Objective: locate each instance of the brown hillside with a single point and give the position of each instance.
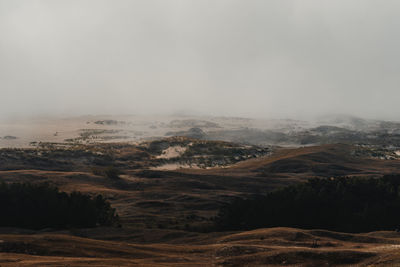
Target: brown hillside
(262, 247)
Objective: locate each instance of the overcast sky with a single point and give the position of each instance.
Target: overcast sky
(224, 57)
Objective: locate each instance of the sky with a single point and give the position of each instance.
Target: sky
(250, 58)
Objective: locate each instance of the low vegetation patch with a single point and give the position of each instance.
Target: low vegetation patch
(109, 172)
(338, 204)
(44, 206)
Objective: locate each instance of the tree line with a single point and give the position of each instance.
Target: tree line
(340, 204)
(38, 206)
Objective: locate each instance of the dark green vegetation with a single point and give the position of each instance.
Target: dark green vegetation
(191, 133)
(339, 204)
(203, 153)
(85, 157)
(74, 157)
(109, 172)
(43, 206)
(109, 122)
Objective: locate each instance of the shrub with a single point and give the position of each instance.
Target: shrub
(109, 172)
(112, 173)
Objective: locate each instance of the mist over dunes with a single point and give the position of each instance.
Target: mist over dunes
(231, 58)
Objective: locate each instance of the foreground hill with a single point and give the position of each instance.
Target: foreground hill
(262, 247)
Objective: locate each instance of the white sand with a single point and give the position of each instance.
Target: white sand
(172, 152)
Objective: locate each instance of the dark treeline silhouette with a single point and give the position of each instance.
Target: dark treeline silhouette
(339, 204)
(38, 206)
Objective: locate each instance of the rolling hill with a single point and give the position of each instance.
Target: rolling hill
(167, 215)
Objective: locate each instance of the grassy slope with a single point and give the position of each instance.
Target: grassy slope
(275, 247)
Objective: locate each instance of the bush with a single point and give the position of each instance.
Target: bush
(109, 172)
(43, 206)
(339, 204)
(112, 173)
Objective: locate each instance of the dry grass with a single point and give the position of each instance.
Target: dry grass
(262, 247)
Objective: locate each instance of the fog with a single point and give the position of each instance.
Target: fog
(219, 57)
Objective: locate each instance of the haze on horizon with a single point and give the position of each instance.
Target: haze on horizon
(226, 57)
